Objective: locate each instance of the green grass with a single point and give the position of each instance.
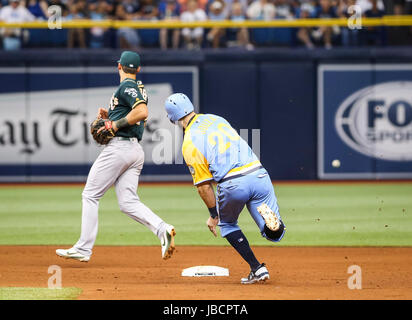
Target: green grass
(12, 293)
(314, 214)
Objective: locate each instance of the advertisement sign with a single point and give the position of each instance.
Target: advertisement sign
(46, 116)
(364, 121)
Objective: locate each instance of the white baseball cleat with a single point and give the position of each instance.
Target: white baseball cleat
(168, 242)
(271, 220)
(72, 254)
(260, 275)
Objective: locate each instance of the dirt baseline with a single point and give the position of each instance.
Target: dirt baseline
(140, 273)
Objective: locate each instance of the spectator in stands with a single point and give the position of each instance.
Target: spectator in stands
(400, 35)
(201, 4)
(374, 35)
(216, 13)
(130, 9)
(99, 10)
(127, 37)
(111, 8)
(242, 34)
(62, 5)
(374, 11)
(295, 6)
(261, 10)
(366, 5)
(408, 7)
(193, 37)
(148, 10)
(229, 4)
(169, 10)
(283, 9)
(305, 11)
(81, 8)
(38, 8)
(325, 10)
(14, 12)
(77, 10)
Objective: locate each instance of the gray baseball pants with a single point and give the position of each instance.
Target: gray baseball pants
(119, 164)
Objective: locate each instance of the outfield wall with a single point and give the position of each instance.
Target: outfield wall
(312, 107)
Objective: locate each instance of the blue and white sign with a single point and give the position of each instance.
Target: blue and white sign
(46, 114)
(365, 121)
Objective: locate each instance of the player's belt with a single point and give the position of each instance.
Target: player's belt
(242, 171)
(125, 139)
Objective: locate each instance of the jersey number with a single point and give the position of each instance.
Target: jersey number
(113, 102)
(142, 90)
(224, 130)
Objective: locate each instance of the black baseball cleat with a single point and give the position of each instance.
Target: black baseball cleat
(260, 275)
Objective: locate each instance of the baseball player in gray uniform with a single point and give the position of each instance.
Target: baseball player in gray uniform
(120, 164)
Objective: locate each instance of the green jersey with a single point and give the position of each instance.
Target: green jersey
(128, 96)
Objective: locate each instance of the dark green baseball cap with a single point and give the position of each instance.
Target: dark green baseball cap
(129, 59)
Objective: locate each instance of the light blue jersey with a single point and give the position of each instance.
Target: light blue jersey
(213, 150)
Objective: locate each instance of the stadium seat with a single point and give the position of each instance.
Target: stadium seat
(282, 36)
(149, 37)
(47, 38)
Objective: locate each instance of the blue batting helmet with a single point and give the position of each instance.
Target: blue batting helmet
(177, 106)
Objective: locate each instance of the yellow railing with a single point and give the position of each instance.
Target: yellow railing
(390, 21)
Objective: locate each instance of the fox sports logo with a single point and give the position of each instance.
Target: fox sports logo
(377, 121)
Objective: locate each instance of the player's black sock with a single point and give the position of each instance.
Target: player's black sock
(238, 241)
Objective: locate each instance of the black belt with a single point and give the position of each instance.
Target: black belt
(240, 174)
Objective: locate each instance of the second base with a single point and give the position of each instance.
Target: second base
(205, 271)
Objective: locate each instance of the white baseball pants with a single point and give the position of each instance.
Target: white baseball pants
(119, 164)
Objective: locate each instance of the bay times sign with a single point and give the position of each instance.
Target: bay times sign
(45, 126)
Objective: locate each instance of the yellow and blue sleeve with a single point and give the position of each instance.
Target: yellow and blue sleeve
(196, 161)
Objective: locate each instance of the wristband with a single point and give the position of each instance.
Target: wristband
(108, 125)
(121, 123)
(213, 212)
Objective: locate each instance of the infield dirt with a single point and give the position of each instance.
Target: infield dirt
(140, 273)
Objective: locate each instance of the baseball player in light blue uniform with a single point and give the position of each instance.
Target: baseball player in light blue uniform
(214, 151)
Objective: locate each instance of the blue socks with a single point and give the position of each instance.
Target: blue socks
(238, 241)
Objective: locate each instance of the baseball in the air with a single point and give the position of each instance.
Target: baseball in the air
(336, 163)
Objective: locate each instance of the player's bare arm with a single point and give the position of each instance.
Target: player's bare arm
(139, 113)
(207, 194)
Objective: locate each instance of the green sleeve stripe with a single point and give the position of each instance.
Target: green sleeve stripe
(137, 103)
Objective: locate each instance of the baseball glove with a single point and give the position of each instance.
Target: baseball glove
(102, 131)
